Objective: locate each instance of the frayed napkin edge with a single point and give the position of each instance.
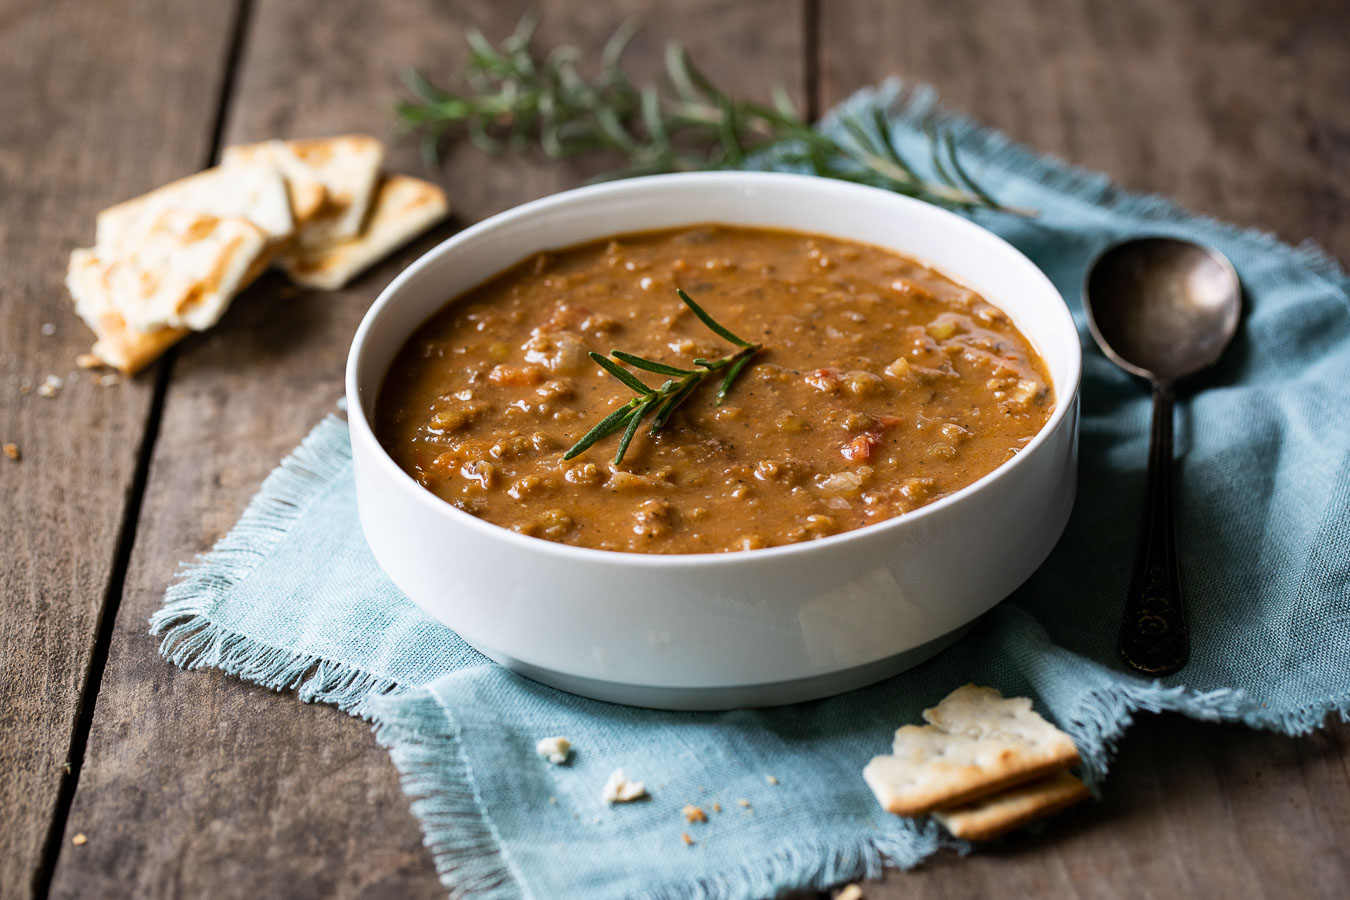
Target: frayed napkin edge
(189, 636)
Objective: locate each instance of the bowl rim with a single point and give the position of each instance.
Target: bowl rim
(360, 427)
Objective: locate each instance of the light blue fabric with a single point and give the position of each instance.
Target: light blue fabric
(292, 599)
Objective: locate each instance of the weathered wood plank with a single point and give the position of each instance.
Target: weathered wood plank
(1237, 110)
(97, 104)
(197, 785)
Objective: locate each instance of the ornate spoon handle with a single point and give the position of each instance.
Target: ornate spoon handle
(1154, 638)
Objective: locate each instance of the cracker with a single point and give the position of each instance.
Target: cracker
(304, 186)
(404, 207)
(978, 743)
(348, 168)
(997, 815)
(182, 272)
(255, 192)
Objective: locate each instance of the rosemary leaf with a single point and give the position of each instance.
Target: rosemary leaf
(634, 420)
(603, 429)
(650, 365)
(717, 328)
(620, 373)
(735, 370)
(668, 408)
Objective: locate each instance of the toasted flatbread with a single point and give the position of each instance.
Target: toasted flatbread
(404, 207)
(304, 187)
(997, 815)
(348, 168)
(182, 273)
(255, 192)
(115, 345)
(977, 744)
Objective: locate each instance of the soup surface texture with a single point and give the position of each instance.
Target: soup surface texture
(881, 386)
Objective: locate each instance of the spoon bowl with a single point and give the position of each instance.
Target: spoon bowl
(1161, 309)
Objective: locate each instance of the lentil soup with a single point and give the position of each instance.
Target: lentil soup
(880, 387)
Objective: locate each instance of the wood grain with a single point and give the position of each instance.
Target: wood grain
(97, 104)
(1238, 110)
(198, 785)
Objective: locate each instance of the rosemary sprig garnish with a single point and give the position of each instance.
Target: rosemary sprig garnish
(513, 98)
(668, 397)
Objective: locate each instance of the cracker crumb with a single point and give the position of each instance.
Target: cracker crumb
(770, 779)
(554, 749)
(48, 329)
(688, 841)
(88, 361)
(694, 813)
(79, 840)
(717, 807)
(849, 892)
(51, 386)
(744, 802)
(618, 789)
(12, 451)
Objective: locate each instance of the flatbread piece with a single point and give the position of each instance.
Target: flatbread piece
(977, 744)
(255, 192)
(346, 167)
(403, 208)
(304, 187)
(994, 816)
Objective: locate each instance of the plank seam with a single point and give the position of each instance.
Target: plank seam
(811, 62)
(126, 536)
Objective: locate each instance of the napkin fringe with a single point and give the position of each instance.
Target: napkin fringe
(1102, 716)
(916, 105)
(422, 737)
(193, 640)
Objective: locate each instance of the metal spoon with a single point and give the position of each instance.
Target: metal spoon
(1161, 309)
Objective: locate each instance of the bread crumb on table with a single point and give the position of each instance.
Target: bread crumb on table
(688, 841)
(51, 386)
(717, 807)
(849, 892)
(770, 779)
(12, 451)
(744, 802)
(79, 839)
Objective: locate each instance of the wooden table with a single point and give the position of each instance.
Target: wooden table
(194, 784)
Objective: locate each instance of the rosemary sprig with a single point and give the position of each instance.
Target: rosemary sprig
(512, 98)
(668, 397)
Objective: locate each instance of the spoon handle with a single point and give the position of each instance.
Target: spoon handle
(1154, 638)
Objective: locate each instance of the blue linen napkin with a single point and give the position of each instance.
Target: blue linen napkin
(291, 598)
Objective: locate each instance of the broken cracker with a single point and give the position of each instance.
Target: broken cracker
(978, 744)
(348, 167)
(404, 207)
(304, 187)
(255, 192)
(182, 272)
(991, 817)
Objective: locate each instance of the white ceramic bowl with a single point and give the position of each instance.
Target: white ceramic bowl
(713, 631)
